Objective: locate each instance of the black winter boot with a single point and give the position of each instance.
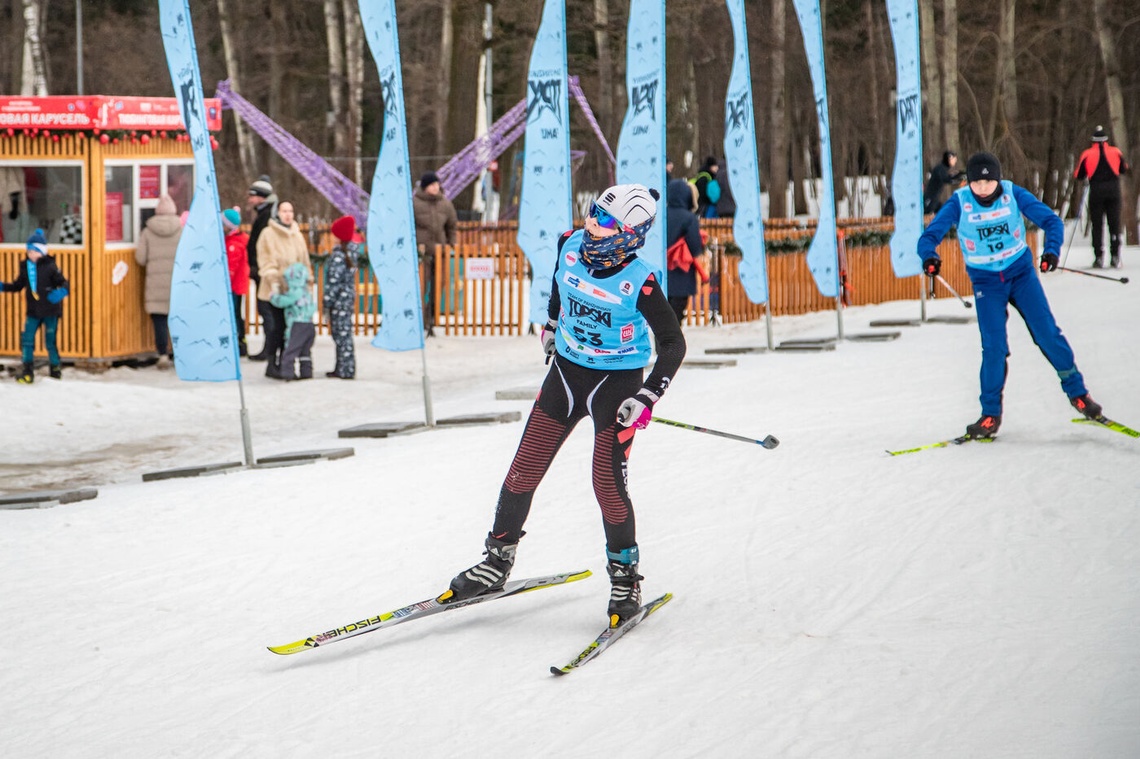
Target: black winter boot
(488, 575)
(55, 372)
(985, 427)
(625, 588)
(1087, 406)
(26, 375)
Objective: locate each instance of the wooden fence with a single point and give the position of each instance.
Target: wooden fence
(483, 280)
(478, 287)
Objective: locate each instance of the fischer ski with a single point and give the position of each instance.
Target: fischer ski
(423, 609)
(611, 635)
(1107, 423)
(944, 444)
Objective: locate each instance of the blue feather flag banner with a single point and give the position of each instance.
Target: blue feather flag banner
(391, 229)
(823, 255)
(545, 205)
(743, 166)
(641, 146)
(203, 330)
(906, 181)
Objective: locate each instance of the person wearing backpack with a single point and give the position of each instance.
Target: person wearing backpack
(708, 188)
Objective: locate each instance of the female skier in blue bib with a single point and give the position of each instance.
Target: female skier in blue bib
(991, 235)
(603, 302)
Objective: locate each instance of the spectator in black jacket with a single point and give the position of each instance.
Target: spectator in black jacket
(263, 201)
(681, 224)
(44, 288)
(941, 176)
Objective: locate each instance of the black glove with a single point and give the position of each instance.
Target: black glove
(15, 212)
(1048, 262)
(931, 267)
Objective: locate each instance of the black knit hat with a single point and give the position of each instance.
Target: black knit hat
(261, 188)
(983, 166)
(1100, 135)
(428, 179)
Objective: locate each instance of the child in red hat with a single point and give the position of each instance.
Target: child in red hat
(340, 294)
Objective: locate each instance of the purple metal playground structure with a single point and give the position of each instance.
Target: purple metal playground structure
(461, 170)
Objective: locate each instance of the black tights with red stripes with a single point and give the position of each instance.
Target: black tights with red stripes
(570, 393)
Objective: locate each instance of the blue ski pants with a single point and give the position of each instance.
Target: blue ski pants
(1019, 286)
(28, 338)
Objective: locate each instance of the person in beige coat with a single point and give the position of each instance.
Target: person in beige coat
(158, 242)
(280, 245)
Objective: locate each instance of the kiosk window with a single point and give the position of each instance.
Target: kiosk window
(48, 197)
(119, 219)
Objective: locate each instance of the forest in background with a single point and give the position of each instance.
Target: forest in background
(1028, 81)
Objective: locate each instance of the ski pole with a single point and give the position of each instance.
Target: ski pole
(953, 292)
(1076, 224)
(768, 442)
(1121, 280)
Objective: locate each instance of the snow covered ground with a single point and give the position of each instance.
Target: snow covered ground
(831, 601)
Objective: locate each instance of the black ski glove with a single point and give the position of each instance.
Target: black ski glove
(15, 212)
(931, 267)
(1048, 262)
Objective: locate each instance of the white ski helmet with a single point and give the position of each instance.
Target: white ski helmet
(631, 204)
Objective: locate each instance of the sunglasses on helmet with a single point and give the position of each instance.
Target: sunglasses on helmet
(604, 219)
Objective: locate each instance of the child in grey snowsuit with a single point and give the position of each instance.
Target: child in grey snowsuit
(299, 306)
(340, 295)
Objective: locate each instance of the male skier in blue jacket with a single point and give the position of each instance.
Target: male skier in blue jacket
(991, 235)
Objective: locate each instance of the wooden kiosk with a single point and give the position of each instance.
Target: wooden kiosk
(89, 171)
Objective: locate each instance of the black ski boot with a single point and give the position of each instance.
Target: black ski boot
(488, 575)
(985, 427)
(625, 587)
(1087, 406)
(26, 376)
(55, 372)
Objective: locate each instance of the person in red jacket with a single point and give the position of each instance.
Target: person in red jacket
(1102, 164)
(236, 255)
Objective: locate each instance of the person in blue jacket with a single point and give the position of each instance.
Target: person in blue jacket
(604, 300)
(991, 235)
(44, 288)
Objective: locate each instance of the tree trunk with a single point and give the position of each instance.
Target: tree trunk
(604, 104)
(876, 148)
(948, 63)
(1007, 64)
(443, 93)
(336, 112)
(354, 67)
(276, 68)
(247, 155)
(467, 25)
(778, 116)
(34, 79)
(931, 82)
(1112, 86)
(801, 163)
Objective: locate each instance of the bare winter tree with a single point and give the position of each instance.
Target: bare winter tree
(337, 121)
(931, 81)
(247, 154)
(354, 67)
(34, 81)
(948, 71)
(1112, 75)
